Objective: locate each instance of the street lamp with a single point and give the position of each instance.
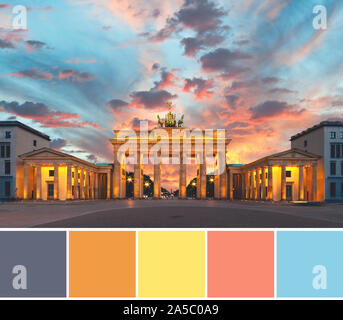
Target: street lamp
(129, 179)
(194, 184)
(147, 184)
(211, 179)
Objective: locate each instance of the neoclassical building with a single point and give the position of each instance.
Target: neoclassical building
(290, 175)
(52, 175)
(47, 174)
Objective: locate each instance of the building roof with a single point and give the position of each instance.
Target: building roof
(25, 127)
(291, 154)
(55, 154)
(235, 165)
(318, 126)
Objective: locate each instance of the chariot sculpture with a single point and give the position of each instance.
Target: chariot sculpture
(170, 119)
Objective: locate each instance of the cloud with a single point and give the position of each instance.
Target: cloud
(233, 101)
(80, 60)
(58, 144)
(117, 106)
(168, 79)
(92, 158)
(44, 115)
(33, 45)
(281, 91)
(76, 76)
(155, 66)
(270, 80)
(200, 87)
(32, 73)
(273, 109)
(222, 60)
(201, 16)
(152, 99)
(6, 44)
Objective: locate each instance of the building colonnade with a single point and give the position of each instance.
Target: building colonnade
(65, 180)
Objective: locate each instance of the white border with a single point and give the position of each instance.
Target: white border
(206, 298)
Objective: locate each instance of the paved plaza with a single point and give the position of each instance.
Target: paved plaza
(168, 214)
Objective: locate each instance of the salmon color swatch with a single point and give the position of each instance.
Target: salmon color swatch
(240, 264)
(171, 264)
(102, 264)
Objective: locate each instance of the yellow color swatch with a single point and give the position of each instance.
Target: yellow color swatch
(171, 264)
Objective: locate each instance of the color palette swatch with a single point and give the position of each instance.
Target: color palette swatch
(240, 264)
(171, 264)
(102, 264)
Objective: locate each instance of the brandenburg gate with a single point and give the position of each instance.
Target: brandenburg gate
(170, 143)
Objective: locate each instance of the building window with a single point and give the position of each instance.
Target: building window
(8, 134)
(342, 168)
(5, 150)
(7, 188)
(342, 190)
(333, 151)
(341, 135)
(35, 143)
(338, 151)
(305, 143)
(51, 173)
(333, 190)
(7, 167)
(289, 174)
(8, 151)
(332, 135)
(333, 168)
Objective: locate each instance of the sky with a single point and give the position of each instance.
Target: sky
(257, 68)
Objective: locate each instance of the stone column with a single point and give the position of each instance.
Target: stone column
(108, 194)
(182, 179)
(56, 183)
(257, 177)
(118, 183)
(223, 185)
(263, 196)
(157, 181)
(198, 182)
(76, 183)
(87, 184)
(92, 185)
(96, 186)
(243, 185)
(231, 184)
(314, 182)
(270, 182)
(138, 178)
(246, 176)
(39, 182)
(123, 181)
(203, 180)
(252, 188)
(216, 186)
(301, 183)
(82, 184)
(69, 188)
(283, 182)
(26, 181)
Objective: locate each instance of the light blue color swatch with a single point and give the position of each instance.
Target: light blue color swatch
(298, 252)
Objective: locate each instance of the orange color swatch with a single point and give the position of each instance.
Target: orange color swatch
(102, 264)
(240, 264)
